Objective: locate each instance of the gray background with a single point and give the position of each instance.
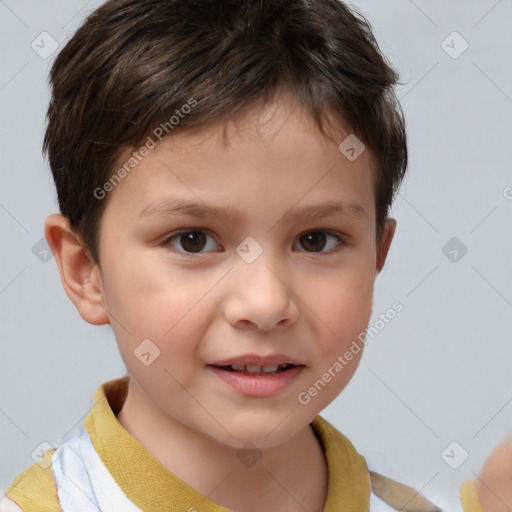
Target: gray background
(438, 373)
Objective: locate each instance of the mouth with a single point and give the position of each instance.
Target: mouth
(258, 381)
(257, 370)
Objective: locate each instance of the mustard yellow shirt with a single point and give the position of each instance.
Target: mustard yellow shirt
(148, 484)
(469, 497)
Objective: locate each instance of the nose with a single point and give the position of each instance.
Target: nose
(260, 297)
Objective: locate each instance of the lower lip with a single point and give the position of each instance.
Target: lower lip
(258, 385)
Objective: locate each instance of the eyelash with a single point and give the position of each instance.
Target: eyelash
(342, 243)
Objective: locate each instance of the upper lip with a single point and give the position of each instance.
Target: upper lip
(257, 360)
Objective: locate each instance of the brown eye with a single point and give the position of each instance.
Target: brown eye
(190, 241)
(315, 241)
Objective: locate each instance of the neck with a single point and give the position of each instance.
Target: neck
(291, 477)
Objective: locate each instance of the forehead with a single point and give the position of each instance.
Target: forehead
(270, 156)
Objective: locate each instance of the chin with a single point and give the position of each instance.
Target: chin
(263, 431)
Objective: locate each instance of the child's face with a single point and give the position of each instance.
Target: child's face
(201, 299)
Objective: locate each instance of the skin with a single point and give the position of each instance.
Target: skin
(494, 485)
(299, 298)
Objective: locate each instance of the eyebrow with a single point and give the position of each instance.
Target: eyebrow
(176, 207)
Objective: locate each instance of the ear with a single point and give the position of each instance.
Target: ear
(80, 277)
(387, 237)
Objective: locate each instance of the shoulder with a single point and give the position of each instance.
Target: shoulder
(399, 496)
(7, 505)
(386, 494)
(34, 490)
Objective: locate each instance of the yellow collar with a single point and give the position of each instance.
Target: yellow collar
(147, 483)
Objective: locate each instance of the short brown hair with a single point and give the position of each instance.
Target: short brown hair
(134, 63)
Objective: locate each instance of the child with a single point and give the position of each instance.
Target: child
(269, 131)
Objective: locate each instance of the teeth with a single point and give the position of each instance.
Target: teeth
(257, 369)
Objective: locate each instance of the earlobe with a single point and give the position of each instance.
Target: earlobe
(387, 238)
(80, 277)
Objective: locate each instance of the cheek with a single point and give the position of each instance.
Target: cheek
(344, 302)
(151, 299)
(344, 307)
(172, 309)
